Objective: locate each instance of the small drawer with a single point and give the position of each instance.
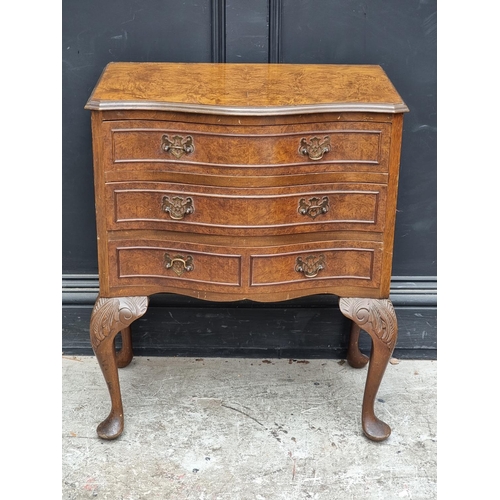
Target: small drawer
(272, 211)
(176, 264)
(339, 263)
(205, 149)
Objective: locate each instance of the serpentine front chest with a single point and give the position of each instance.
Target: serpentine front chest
(245, 181)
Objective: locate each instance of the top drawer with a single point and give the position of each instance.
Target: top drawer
(163, 145)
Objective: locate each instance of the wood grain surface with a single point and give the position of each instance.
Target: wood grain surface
(245, 88)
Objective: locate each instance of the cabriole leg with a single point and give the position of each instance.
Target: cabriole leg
(110, 316)
(378, 319)
(355, 357)
(125, 354)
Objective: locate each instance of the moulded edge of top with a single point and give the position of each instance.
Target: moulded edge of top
(101, 105)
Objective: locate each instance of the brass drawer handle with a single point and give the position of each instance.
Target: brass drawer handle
(314, 148)
(178, 146)
(178, 263)
(177, 207)
(310, 265)
(314, 207)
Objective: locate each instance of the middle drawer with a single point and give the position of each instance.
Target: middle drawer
(266, 211)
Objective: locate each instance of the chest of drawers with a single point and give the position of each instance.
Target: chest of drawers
(245, 181)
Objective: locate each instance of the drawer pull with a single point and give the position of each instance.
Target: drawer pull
(178, 146)
(314, 148)
(178, 263)
(314, 207)
(310, 265)
(177, 207)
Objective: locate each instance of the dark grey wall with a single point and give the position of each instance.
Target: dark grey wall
(398, 35)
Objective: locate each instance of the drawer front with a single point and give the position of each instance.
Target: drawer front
(335, 264)
(165, 146)
(210, 210)
(170, 264)
(180, 265)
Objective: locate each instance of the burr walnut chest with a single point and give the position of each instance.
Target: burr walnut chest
(245, 181)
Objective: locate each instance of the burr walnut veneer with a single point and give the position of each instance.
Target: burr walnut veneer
(245, 181)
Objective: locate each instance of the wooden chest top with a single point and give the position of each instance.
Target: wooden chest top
(245, 89)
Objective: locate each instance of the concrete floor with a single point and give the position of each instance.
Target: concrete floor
(248, 429)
